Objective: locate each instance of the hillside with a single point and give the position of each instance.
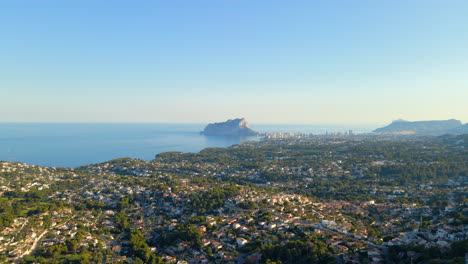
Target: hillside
(459, 130)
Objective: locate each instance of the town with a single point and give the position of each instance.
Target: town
(297, 199)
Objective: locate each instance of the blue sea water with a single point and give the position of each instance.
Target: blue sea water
(77, 144)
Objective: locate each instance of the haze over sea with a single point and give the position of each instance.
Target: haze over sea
(77, 144)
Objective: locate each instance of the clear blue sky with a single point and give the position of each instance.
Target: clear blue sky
(209, 60)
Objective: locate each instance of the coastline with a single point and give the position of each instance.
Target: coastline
(77, 144)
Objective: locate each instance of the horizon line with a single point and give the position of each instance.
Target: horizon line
(175, 123)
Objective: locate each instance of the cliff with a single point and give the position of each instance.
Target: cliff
(232, 127)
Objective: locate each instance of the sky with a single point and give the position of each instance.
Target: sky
(200, 61)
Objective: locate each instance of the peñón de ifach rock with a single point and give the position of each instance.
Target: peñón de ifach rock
(232, 127)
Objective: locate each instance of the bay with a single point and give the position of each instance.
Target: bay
(77, 144)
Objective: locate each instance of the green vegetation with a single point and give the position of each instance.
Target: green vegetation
(299, 200)
(214, 198)
(297, 251)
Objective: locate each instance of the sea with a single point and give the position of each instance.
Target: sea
(78, 144)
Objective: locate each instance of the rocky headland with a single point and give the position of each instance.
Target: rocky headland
(232, 127)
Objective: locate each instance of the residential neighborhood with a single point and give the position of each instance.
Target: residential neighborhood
(244, 204)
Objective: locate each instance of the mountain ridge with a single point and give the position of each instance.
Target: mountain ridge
(435, 127)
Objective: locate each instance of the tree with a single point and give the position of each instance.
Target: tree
(140, 248)
(72, 244)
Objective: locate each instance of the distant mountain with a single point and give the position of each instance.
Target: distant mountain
(231, 127)
(421, 127)
(459, 130)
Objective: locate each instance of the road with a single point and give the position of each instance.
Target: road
(36, 243)
(20, 230)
